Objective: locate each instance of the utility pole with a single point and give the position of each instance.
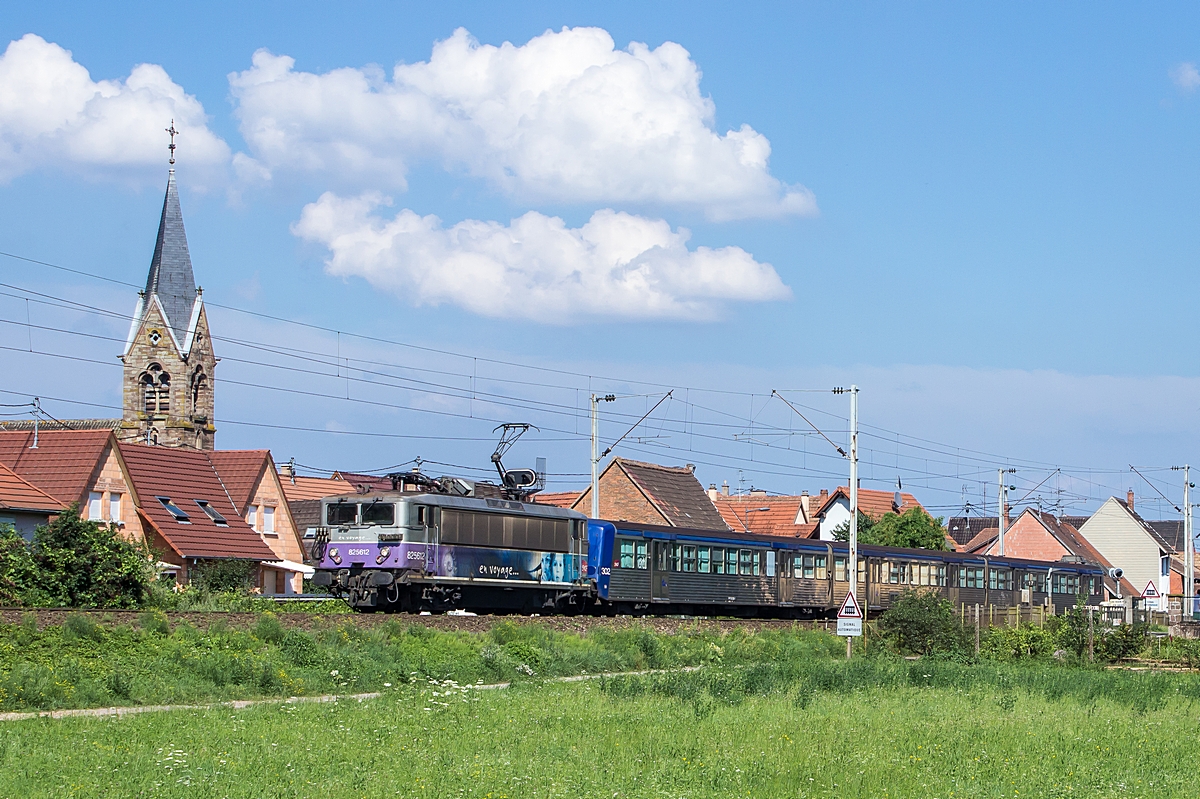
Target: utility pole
(853, 565)
(1002, 498)
(595, 461)
(1189, 549)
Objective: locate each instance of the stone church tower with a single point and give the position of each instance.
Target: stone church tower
(169, 360)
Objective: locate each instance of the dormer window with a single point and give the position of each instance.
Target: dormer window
(211, 512)
(173, 509)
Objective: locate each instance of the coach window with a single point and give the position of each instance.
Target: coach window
(676, 557)
(731, 561)
(625, 547)
(839, 570)
(689, 559)
(705, 560)
(640, 557)
(756, 560)
(743, 561)
(941, 576)
(1000, 579)
(718, 560)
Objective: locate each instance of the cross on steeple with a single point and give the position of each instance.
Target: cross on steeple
(171, 146)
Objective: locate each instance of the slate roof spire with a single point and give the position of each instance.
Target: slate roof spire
(171, 275)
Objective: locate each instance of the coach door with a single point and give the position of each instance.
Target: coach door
(429, 518)
(660, 571)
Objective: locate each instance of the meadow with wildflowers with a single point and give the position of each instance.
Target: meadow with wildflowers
(711, 733)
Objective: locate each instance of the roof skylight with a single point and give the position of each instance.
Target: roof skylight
(175, 510)
(217, 518)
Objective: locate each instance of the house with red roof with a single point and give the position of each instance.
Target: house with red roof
(253, 483)
(188, 514)
(75, 466)
(649, 493)
(833, 510)
(758, 513)
(24, 506)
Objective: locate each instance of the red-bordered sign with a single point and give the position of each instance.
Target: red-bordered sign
(1150, 592)
(850, 609)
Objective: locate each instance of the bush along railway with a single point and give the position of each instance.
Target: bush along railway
(451, 544)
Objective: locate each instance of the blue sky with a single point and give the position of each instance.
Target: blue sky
(1001, 250)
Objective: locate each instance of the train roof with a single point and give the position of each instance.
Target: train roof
(449, 500)
(812, 544)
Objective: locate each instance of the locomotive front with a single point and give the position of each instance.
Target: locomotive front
(396, 550)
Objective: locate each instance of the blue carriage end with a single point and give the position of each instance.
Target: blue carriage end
(600, 554)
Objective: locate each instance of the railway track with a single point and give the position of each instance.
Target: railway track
(49, 617)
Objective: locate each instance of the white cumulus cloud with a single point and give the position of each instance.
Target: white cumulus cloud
(52, 112)
(565, 117)
(1186, 76)
(536, 268)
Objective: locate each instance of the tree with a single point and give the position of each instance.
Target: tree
(83, 564)
(16, 567)
(914, 529)
(922, 623)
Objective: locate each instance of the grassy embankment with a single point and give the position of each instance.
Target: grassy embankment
(826, 729)
(769, 714)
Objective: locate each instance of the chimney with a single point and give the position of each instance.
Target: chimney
(691, 467)
(804, 505)
(724, 488)
(824, 496)
(712, 491)
(757, 492)
(1129, 498)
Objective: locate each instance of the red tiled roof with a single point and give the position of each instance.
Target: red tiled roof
(299, 488)
(63, 463)
(561, 499)
(372, 481)
(872, 502)
(745, 514)
(186, 475)
(17, 494)
(239, 470)
(675, 492)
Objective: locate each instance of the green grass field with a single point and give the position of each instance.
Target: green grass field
(594, 740)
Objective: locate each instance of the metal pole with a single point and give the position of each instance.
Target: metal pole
(1189, 549)
(853, 503)
(595, 461)
(1003, 496)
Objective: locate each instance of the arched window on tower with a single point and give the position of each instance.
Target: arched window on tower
(156, 389)
(199, 386)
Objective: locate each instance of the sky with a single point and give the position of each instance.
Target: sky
(413, 222)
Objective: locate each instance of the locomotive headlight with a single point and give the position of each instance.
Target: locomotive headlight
(334, 555)
(383, 554)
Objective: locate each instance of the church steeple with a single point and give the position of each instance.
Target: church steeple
(171, 277)
(169, 359)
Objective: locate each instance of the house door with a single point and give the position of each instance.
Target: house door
(660, 570)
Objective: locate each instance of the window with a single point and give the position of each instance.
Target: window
(198, 387)
(641, 558)
(689, 559)
(1062, 583)
(970, 577)
(770, 563)
(897, 573)
(211, 512)
(269, 519)
(174, 510)
(731, 561)
(744, 562)
(252, 517)
(624, 553)
(940, 576)
(381, 513)
(718, 560)
(94, 500)
(347, 513)
(705, 560)
(999, 579)
(156, 389)
(114, 506)
(1166, 565)
(821, 567)
(756, 560)
(839, 570)
(676, 557)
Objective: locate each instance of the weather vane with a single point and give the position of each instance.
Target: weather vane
(171, 146)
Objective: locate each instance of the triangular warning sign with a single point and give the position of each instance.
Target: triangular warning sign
(850, 609)
(1150, 590)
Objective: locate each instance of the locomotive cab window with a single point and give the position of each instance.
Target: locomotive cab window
(380, 513)
(341, 513)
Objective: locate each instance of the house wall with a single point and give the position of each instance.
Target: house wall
(23, 523)
(109, 478)
(284, 542)
(1125, 545)
(836, 514)
(1027, 538)
(620, 500)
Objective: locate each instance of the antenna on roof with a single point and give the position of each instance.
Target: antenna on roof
(37, 413)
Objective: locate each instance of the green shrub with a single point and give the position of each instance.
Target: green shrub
(155, 622)
(81, 628)
(1018, 643)
(923, 623)
(217, 576)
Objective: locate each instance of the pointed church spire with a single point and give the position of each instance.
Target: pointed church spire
(171, 277)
